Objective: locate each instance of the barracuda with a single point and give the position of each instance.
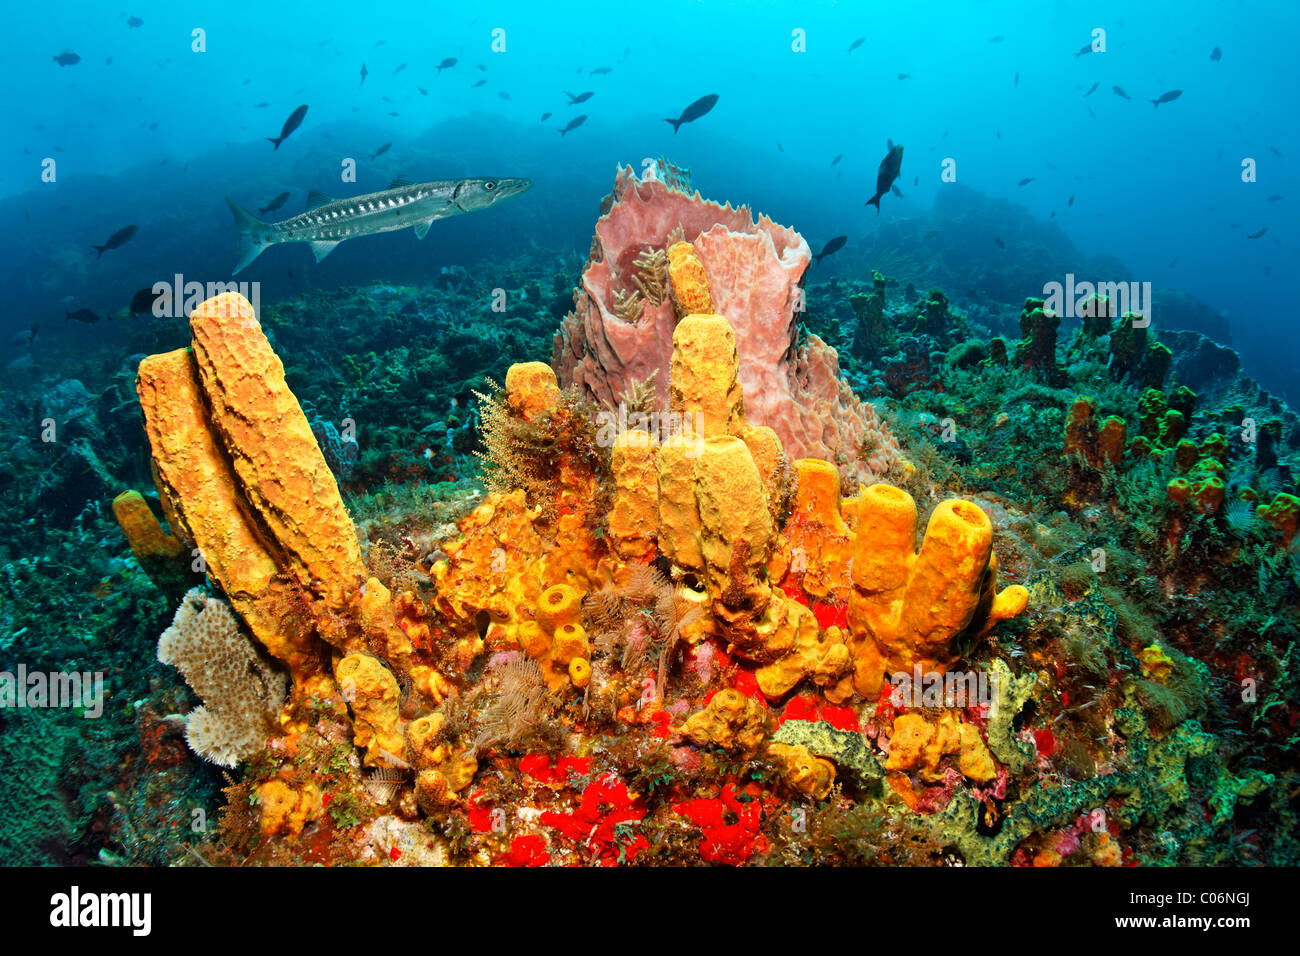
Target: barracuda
(327, 222)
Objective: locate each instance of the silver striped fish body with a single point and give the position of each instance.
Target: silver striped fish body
(327, 222)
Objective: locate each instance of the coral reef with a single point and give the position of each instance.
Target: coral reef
(713, 642)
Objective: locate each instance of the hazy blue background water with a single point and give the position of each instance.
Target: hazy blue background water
(1159, 189)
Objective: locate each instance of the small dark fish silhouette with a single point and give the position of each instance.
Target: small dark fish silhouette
(1092, 89)
(1216, 55)
(482, 68)
(1275, 198)
(260, 106)
(694, 111)
(1000, 243)
(903, 76)
(1017, 80)
(1257, 233)
(916, 180)
(1119, 91)
(135, 22)
(81, 315)
(146, 300)
(1026, 181)
(545, 117)
(274, 204)
(119, 238)
(364, 74)
(291, 124)
(1052, 214)
(835, 245)
(856, 43)
(601, 71)
(1275, 151)
(1071, 202)
(1167, 97)
(1087, 48)
(896, 191)
(67, 58)
(394, 113)
(837, 159)
(447, 63)
(999, 134)
(381, 150)
(423, 91)
(503, 94)
(478, 84)
(580, 98)
(780, 147)
(574, 123)
(997, 39)
(889, 169)
(400, 68)
(1173, 262)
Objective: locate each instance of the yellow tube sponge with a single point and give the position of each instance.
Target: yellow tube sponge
(371, 690)
(679, 518)
(687, 281)
(821, 547)
(907, 608)
(635, 515)
(277, 461)
(736, 533)
(705, 375)
(162, 556)
(559, 605)
(192, 472)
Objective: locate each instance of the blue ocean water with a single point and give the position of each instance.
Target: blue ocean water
(158, 122)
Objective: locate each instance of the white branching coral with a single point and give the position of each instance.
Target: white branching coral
(241, 691)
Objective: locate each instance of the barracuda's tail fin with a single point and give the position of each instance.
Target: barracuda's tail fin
(250, 242)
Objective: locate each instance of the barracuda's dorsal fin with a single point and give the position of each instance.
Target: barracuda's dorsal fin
(316, 199)
(400, 184)
(323, 249)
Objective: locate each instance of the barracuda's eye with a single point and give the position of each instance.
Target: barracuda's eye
(489, 185)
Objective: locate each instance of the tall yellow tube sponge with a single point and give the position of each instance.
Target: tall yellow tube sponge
(705, 386)
(239, 470)
(736, 532)
(819, 546)
(907, 608)
(193, 473)
(688, 282)
(635, 516)
(277, 461)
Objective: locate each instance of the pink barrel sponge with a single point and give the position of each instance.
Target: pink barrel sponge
(754, 268)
